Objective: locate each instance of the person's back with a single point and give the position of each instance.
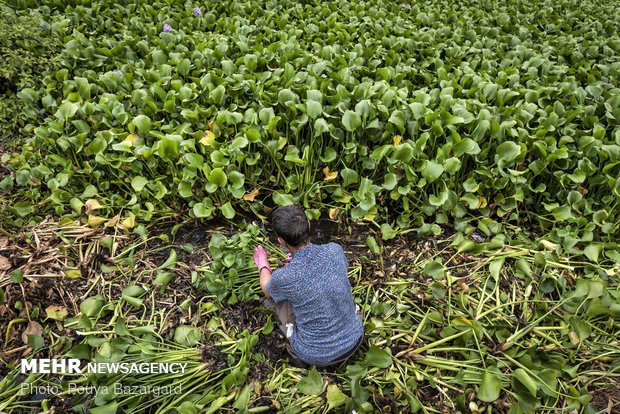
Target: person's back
(316, 285)
(313, 299)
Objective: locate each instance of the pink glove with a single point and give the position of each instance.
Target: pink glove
(260, 258)
(288, 259)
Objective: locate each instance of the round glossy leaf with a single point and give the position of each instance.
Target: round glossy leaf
(202, 210)
(403, 153)
(314, 109)
(351, 121)
(508, 151)
(218, 177)
(228, 211)
(138, 183)
(490, 387)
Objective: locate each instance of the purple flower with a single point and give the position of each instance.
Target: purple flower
(119, 72)
(407, 5)
(197, 12)
(167, 28)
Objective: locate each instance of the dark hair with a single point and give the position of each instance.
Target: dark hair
(290, 223)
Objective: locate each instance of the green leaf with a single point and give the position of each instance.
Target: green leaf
(439, 200)
(335, 397)
(593, 251)
(73, 273)
(228, 211)
(378, 357)
(56, 312)
(187, 408)
(314, 109)
(35, 341)
(562, 213)
(387, 232)
(312, 384)
(452, 165)
(403, 153)
(17, 276)
(418, 110)
(351, 120)
(202, 210)
(159, 57)
(349, 176)
(434, 269)
(481, 130)
(109, 408)
(521, 381)
(133, 291)
(390, 181)
(217, 95)
(495, 267)
(138, 183)
(92, 305)
(372, 244)
(582, 328)
(23, 208)
(195, 160)
(183, 67)
(187, 335)
(508, 151)
(432, 171)
(218, 177)
(143, 123)
(171, 261)
(168, 149)
(491, 385)
(243, 399)
(67, 110)
(286, 97)
(251, 61)
(466, 146)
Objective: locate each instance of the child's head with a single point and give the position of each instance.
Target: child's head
(291, 225)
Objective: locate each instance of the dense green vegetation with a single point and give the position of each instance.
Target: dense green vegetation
(488, 130)
(26, 51)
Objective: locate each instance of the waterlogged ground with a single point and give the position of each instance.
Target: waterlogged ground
(433, 318)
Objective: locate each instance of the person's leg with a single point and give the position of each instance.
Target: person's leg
(286, 321)
(286, 318)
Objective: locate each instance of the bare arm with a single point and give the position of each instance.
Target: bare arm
(265, 277)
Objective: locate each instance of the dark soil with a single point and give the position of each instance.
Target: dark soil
(243, 315)
(40, 293)
(63, 404)
(215, 359)
(608, 398)
(429, 396)
(325, 231)
(386, 404)
(273, 346)
(7, 86)
(195, 232)
(252, 316)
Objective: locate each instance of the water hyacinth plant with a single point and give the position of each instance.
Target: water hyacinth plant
(422, 135)
(466, 155)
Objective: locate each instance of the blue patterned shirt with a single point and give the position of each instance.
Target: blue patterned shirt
(317, 286)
